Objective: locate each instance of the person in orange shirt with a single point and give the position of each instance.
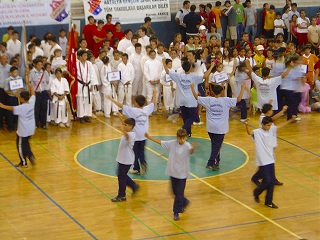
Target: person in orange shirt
(309, 59)
(217, 12)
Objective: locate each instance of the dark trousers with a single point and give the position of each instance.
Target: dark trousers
(12, 120)
(183, 32)
(178, 186)
(287, 97)
(243, 108)
(189, 115)
(216, 143)
(2, 111)
(24, 149)
(259, 175)
(40, 108)
(138, 149)
(123, 179)
(268, 180)
(239, 29)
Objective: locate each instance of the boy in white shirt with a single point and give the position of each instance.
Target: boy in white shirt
(178, 167)
(169, 87)
(14, 45)
(140, 113)
(278, 24)
(125, 85)
(59, 89)
(135, 60)
(26, 125)
(109, 88)
(152, 72)
(265, 142)
(125, 158)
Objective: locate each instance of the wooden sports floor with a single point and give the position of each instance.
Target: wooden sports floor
(60, 199)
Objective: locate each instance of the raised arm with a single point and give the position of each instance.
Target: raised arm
(279, 114)
(207, 74)
(195, 94)
(120, 105)
(283, 75)
(152, 138)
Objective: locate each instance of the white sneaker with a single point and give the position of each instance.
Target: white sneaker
(298, 119)
(198, 123)
(114, 114)
(67, 124)
(62, 125)
(93, 115)
(107, 115)
(133, 171)
(242, 120)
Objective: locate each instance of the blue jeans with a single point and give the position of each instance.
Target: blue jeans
(216, 143)
(268, 179)
(252, 31)
(124, 180)
(189, 115)
(239, 31)
(243, 108)
(178, 186)
(138, 149)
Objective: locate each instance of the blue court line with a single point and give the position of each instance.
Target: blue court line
(231, 226)
(50, 199)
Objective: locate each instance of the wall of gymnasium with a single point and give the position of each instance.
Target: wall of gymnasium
(164, 30)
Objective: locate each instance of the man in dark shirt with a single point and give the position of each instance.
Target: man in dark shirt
(193, 21)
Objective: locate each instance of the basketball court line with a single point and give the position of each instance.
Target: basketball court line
(50, 198)
(231, 226)
(221, 192)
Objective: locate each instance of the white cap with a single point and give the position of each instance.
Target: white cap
(260, 48)
(202, 27)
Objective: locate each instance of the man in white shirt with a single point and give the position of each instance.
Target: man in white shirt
(135, 59)
(143, 60)
(131, 50)
(152, 73)
(179, 19)
(144, 39)
(86, 77)
(125, 85)
(14, 45)
(54, 45)
(126, 41)
(38, 50)
(160, 52)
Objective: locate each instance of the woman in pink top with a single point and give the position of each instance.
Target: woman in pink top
(304, 106)
(293, 29)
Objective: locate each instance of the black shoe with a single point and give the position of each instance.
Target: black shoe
(81, 120)
(176, 216)
(87, 119)
(135, 189)
(32, 160)
(184, 208)
(44, 127)
(278, 183)
(271, 205)
(256, 182)
(256, 198)
(118, 199)
(189, 135)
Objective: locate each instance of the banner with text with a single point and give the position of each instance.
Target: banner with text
(128, 11)
(34, 12)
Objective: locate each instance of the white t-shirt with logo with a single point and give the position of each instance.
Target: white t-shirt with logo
(125, 152)
(26, 121)
(303, 23)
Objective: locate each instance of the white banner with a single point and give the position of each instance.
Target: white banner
(128, 11)
(34, 12)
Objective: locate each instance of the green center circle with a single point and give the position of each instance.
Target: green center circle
(101, 158)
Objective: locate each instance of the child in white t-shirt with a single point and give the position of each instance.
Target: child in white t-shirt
(140, 113)
(169, 87)
(26, 125)
(278, 24)
(125, 158)
(178, 167)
